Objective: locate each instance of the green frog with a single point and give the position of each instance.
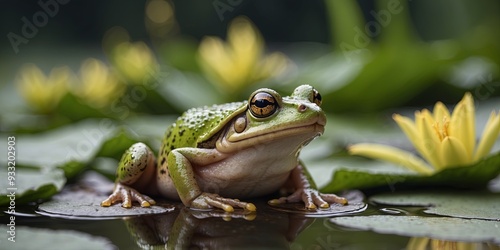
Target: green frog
(212, 156)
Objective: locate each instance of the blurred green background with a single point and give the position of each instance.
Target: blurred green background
(115, 59)
(141, 63)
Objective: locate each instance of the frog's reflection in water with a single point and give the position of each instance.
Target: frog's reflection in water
(190, 229)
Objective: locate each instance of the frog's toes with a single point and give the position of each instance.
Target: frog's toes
(208, 200)
(127, 195)
(312, 199)
(331, 198)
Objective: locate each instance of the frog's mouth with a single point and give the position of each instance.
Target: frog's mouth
(300, 134)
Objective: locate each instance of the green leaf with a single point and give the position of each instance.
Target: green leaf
(45, 161)
(186, 90)
(72, 168)
(463, 204)
(181, 53)
(445, 228)
(344, 16)
(69, 103)
(34, 238)
(30, 185)
(87, 204)
(476, 175)
(116, 145)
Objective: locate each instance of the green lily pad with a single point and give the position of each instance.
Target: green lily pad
(355, 205)
(30, 185)
(82, 199)
(444, 228)
(73, 204)
(34, 238)
(463, 204)
(45, 161)
(476, 175)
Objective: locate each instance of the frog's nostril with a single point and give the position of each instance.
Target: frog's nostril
(302, 108)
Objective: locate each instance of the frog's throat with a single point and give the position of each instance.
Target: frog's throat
(308, 132)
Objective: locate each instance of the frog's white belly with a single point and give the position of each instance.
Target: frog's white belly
(252, 172)
(255, 171)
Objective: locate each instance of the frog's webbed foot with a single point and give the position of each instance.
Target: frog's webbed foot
(208, 200)
(312, 199)
(127, 195)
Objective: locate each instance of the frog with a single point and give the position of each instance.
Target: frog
(213, 156)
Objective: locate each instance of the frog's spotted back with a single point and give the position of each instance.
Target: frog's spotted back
(199, 124)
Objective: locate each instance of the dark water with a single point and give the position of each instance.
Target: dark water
(269, 228)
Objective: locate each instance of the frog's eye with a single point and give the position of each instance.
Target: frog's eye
(316, 97)
(263, 105)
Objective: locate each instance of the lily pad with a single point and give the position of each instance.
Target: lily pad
(87, 205)
(355, 205)
(473, 205)
(445, 228)
(476, 175)
(45, 161)
(33, 238)
(30, 185)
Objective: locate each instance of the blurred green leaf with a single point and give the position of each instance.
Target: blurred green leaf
(116, 145)
(72, 168)
(49, 159)
(451, 229)
(70, 103)
(343, 17)
(181, 53)
(474, 176)
(35, 238)
(463, 204)
(30, 185)
(185, 90)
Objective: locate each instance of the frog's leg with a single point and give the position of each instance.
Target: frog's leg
(135, 172)
(306, 191)
(180, 167)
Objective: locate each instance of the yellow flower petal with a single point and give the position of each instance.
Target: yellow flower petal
(440, 112)
(391, 154)
(274, 64)
(42, 92)
(135, 61)
(410, 130)
(429, 138)
(417, 243)
(99, 87)
(245, 43)
(453, 153)
(240, 61)
(462, 124)
(489, 136)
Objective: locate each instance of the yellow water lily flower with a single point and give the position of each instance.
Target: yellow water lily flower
(436, 244)
(40, 91)
(135, 61)
(98, 85)
(444, 140)
(240, 61)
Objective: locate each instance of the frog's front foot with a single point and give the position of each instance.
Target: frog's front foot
(312, 199)
(127, 195)
(208, 200)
